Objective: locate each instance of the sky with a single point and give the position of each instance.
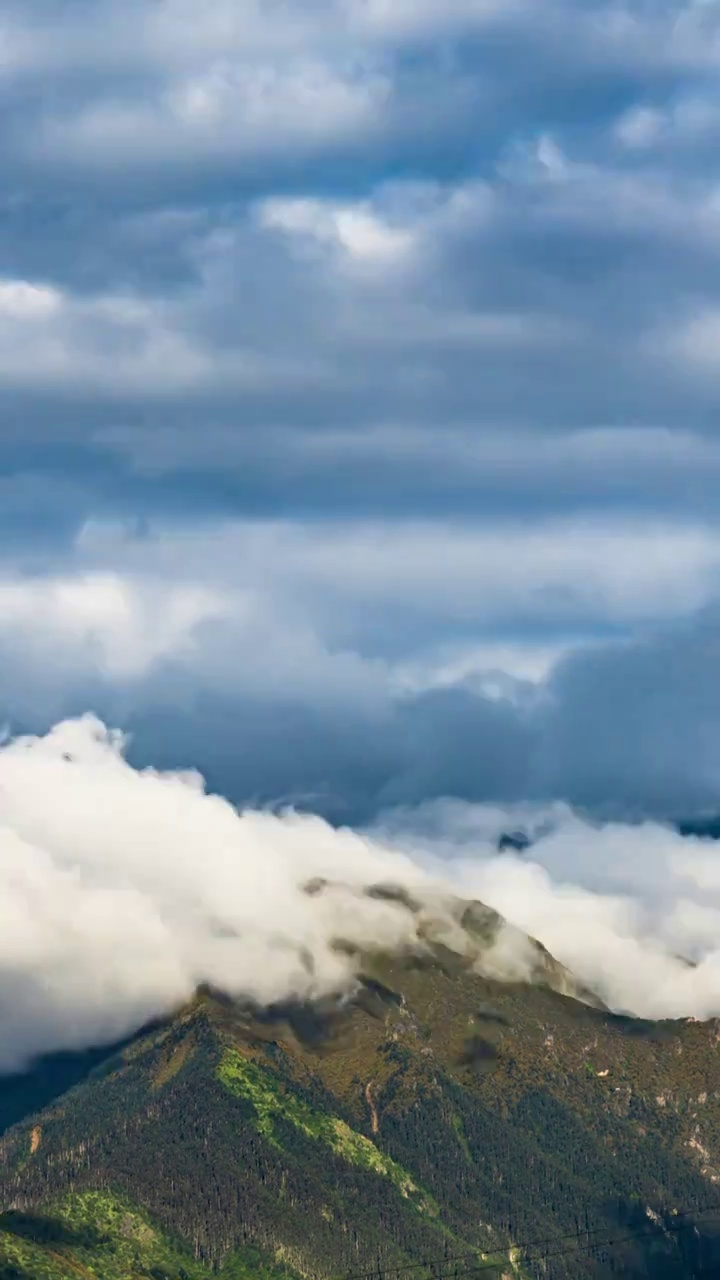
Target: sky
(360, 384)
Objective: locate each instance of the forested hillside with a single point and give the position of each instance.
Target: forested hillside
(439, 1123)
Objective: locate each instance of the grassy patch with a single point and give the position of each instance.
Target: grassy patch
(97, 1236)
(262, 1089)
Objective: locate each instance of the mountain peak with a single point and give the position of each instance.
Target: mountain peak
(461, 934)
(430, 1111)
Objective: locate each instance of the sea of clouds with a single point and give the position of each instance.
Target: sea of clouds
(122, 889)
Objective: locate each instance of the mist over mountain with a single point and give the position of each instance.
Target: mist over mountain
(333, 1135)
(125, 889)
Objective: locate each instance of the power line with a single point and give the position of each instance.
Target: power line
(442, 1265)
(441, 1262)
(579, 1247)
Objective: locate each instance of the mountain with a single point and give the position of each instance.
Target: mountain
(467, 1110)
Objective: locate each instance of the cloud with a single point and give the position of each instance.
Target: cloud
(120, 627)
(358, 232)
(119, 345)
(696, 343)
(633, 911)
(48, 336)
(451, 336)
(687, 122)
(225, 110)
(640, 707)
(349, 673)
(502, 572)
(125, 889)
(498, 330)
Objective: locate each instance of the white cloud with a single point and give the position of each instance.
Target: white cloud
(626, 571)
(233, 85)
(641, 127)
(21, 300)
(126, 630)
(118, 625)
(393, 19)
(340, 261)
(597, 461)
(49, 336)
(167, 887)
(265, 603)
(347, 620)
(682, 34)
(689, 119)
(397, 219)
(233, 109)
(361, 667)
(122, 344)
(357, 230)
(624, 907)
(321, 267)
(579, 193)
(483, 666)
(173, 35)
(694, 343)
(551, 159)
(235, 289)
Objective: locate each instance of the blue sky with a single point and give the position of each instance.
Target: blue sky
(359, 363)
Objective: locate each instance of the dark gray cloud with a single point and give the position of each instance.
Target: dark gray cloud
(300, 691)
(624, 730)
(254, 249)
(356, 368)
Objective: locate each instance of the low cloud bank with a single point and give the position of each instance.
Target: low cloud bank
(123, 889)
(632, 910)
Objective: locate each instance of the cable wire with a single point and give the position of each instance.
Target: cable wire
(442, 1267)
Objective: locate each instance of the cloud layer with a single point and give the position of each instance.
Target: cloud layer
(123, 890)
(373, 344)
(351, 673)
(470, 249)
(633, 911)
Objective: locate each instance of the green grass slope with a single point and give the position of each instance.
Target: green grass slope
(98, 1235)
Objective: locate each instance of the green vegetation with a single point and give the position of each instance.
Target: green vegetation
(457, 1125)
(248, 1080)
(101, 1236)
(435, 1120)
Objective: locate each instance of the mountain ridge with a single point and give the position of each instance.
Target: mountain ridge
(431, 1112)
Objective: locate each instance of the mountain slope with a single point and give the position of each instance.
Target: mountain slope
(439, 1119)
